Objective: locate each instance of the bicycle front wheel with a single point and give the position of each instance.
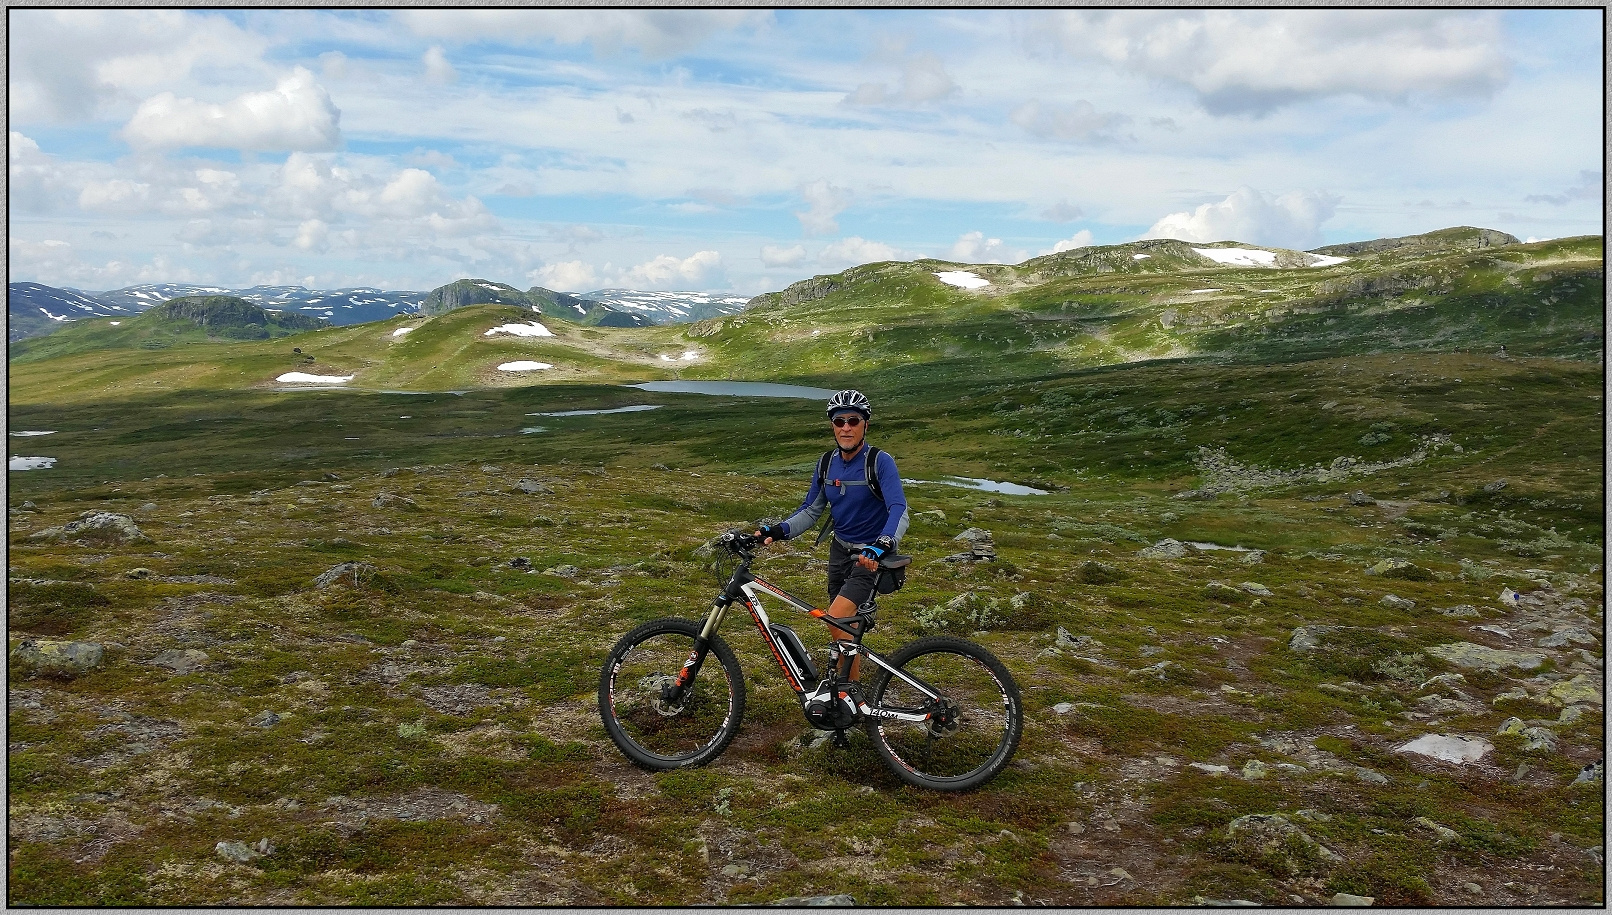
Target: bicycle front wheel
(652, 731)
(973, 727)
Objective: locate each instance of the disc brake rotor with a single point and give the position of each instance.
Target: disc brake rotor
(652, 686)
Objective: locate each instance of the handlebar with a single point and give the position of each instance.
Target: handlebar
(739, 543)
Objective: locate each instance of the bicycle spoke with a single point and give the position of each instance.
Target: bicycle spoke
(662, 728)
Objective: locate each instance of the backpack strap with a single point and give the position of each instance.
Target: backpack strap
(870, 470)
(828, 516)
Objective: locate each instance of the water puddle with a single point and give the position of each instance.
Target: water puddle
(1006, 489)
(1215, 546)
(529, 430)
(734, 389)
(30, 463)
(636, 408)
(26, 432)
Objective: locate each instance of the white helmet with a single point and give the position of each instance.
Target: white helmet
(850, 400)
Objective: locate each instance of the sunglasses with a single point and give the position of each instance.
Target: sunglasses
(841, 422)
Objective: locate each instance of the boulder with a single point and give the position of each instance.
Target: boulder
(392, 500)
(50, 656)
(1482, 657)
(1255, 588)
(1399, 568)
(1274, 834)
(1538, 739)
(1590, 774)
(1254, 557)
(1359, 498)
(1308, 638)
(1512, 725)
(1448, 748)
(1164, 549)
(95, 525)
(533, 487)
(349, 574)
(1563, 638)
(563, 571)
(974, 535)
(181, 661)
(1221, 591)
(932, 515)
(1395, 602)
(1459, 611)
(1350, 900)
(838, 899)
(1581, 688)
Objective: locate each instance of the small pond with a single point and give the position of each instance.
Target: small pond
(636, 408)
(1007, 489)
(30, 463)
(29, 432)
(735, 389)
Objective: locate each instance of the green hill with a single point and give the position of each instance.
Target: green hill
(188, 320)
(551, 304)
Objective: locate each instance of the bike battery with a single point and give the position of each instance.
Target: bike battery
(796, 649)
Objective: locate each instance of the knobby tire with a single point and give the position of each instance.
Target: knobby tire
(652, 733)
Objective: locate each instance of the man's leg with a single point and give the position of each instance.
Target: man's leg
(841, 563)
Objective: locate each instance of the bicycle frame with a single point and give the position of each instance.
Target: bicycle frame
(745, 588)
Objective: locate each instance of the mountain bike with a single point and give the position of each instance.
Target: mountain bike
(942, 712)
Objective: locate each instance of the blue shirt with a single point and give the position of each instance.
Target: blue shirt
(859, 518)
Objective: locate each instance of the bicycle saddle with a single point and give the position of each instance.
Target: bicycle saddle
(894, 562)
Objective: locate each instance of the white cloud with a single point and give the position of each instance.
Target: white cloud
(114, 196)
(1589, 187)
(312, 235)
(975, 248)
(566, 276)
(1292, 220)
(1062, 211)
(1257, 60)
(703, 269)
(824, 201)
(437, 68)
(779, 256)
(1080, 121)
(73, 62)
(923, 79)
(1081, 239)
(657, 33)
(849, 252)
(296, 115)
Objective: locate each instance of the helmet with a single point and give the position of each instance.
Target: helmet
(850, 400)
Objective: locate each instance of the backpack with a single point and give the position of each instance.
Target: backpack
(870, 470)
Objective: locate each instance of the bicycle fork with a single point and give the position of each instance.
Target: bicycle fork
(673, 692)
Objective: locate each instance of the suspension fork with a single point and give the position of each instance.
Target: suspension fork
(673, 692)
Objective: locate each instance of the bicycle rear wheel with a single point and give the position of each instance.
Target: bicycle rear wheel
(973, 729)
(653, 732)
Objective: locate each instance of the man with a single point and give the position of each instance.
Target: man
(868, 520)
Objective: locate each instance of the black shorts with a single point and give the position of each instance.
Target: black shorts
(847, 579)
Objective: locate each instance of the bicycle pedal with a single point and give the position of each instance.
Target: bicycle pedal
(840, 741)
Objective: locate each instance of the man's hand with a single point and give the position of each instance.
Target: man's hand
(770, 532)
(875, 551)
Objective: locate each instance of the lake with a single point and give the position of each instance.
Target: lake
(735, 389)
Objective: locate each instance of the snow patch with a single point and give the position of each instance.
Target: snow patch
(114, 323)
(1239, 257)
(529, 329)
(963, 279)
(25, 432)
(305, 378)
(1325, 260)
(401, 331)
(690, 355)
(523, 366)
(1140, 257)
(1195, 291)
(30, 463)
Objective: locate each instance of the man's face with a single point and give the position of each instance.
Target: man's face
(849, 429)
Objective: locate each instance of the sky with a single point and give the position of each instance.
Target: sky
(742, 150)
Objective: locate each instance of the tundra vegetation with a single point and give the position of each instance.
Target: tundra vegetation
(348, 640)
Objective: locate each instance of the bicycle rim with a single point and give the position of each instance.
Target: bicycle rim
(654, 732)
(961, 753)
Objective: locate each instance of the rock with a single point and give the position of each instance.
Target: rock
(1481, 657)
(1448, 748)
(1210, 768)
(1538, 739)
(1220, 591)
(1458, 611)
(95, 525)
(491, 468)
(1254, 769)
(1590, 774)
(931, 515)
(1492, 630)
(392, 500)
(520, 562)
(1512, 725)
(59, 658)
(1274, 834)
(1063, 708)
(1308, 638)
(266, 719)
(1395, 602)
(181, 661)
(1510, 598)
(139, 574)
(1496, 486)
(1074, 828)
(1399, 568)
(29, 506)
(974, 535)
(149, 507)
(1570, 714)
(1349, 899)
(1158, 671)
(1359, 498)
(532, 487)
(1225, 903)
(1447, 681)
(1255, 588)
(1562, 638)
(242, 853)
(1254, 557)
(1196, 495)
(838, 899)
(1472, 889)
(1581, 688)
(563, 571)
(348, 574)
(1164, 549)
(1370, 775)
(1444, 833)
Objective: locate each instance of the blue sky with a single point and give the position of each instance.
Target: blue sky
(742, 150)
